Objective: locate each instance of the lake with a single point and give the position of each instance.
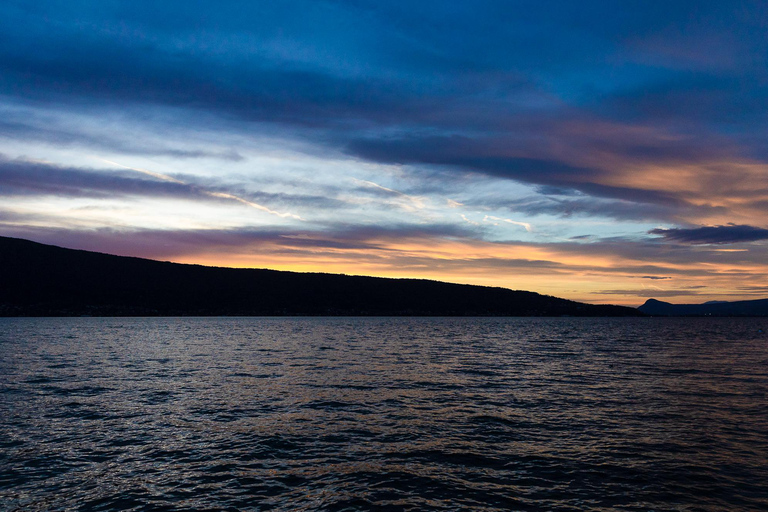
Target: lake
(560, 414)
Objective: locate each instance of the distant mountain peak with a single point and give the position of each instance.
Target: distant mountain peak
(758, 307)
(653, 301)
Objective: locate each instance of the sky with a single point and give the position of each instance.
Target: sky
(607, 152)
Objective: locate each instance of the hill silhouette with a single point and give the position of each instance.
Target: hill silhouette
(757, 307)
(45, 280)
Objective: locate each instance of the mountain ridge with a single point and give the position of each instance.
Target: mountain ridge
(757, 307)
(46, 280)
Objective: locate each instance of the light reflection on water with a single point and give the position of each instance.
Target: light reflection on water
(383, 413)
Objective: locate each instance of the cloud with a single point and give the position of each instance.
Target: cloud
(154, 243)
(416, 85)
(469, 154)
(754, 290)
(730, 234)
(565, 187)
(43, 131)
(586, 206)
(20, 177)
(651, 293)
(647, 256)
(25, 177)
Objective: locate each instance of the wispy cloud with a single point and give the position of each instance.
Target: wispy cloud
(21, 125)
(29, 177)
(730, 234)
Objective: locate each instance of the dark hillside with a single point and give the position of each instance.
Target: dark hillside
(43, 280)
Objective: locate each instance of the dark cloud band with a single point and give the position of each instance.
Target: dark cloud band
(730, 234)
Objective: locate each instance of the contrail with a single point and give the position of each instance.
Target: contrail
(157, 175)
(525, 225)
(416, 201)
(219, 195)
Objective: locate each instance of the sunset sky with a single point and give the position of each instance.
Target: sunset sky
(606, 152)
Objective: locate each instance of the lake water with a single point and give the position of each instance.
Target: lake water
(383, 414)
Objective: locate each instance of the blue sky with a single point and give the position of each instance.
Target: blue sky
(605, 152)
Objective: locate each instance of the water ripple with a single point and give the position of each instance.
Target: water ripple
(383, 414)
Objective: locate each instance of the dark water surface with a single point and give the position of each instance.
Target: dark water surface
(383, 414)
